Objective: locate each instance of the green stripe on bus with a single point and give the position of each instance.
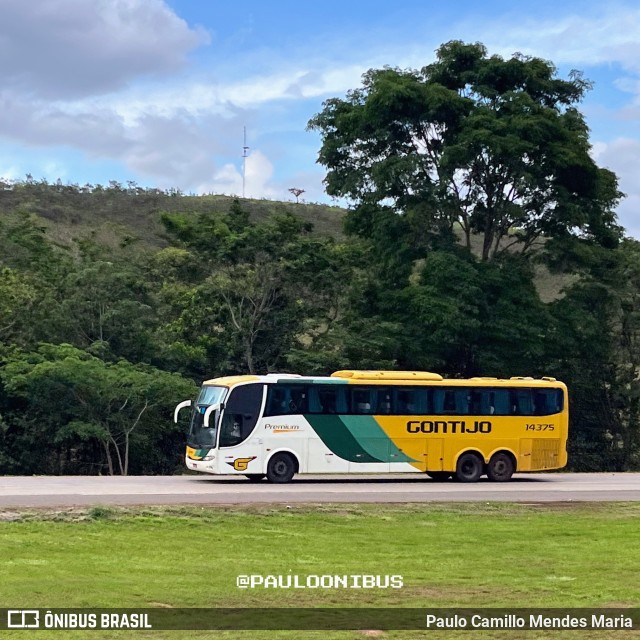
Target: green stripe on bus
(372, 438)
(335, 435)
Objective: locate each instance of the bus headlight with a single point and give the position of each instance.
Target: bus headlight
(207, 458)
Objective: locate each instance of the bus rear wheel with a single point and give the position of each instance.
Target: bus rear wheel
(254, 477)
(469, 468)
(439, 476)
(281, 468)
(500, 467)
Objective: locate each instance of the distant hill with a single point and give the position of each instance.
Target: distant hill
(117, 215)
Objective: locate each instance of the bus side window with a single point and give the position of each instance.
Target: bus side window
(327, 399)
(363, 400)
(522, 402)
(297, 400)
(501, 402)
(461, 402)
(315, 404)
(540, 404)
(482, 402)
(276, 401)
(547, 401)
(451, 401)
(403, 405)
(231, 429)
(240, 414)
(384, 402)
(412, 401)
(284, 399)
(558, 400)
(439, 401)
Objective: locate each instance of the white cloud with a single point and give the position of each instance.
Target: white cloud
(225, 99)
(227, 181)
(71, 48)
(260, 182)
(610, 37)
(42, 124)
(595, 36)
(258, 179)
(622, 156)
(170, 151)
(9, 170)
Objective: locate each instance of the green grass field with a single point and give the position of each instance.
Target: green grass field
(469, 555)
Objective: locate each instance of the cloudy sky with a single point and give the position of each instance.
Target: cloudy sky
(158, 91)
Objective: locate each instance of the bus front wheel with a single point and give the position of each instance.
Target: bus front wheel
(281, 468)
(469, 468)
(500, 467)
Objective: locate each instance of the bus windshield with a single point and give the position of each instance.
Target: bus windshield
(201, 437)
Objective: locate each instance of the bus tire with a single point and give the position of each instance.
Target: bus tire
(281, 468)
(501, 467)
(439, 476)
(254, 477)
(469, 467)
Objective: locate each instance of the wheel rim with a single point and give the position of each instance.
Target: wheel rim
(468, 468)
(500, 468)
(280, 468)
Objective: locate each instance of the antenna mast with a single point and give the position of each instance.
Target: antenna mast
(244, 160)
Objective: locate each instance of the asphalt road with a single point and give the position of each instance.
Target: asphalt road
(69, 491)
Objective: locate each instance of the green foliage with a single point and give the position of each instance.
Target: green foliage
(108, 303)
(17, 296)
(257, 287)
(596, 347)
(471, 140)
(90, 413)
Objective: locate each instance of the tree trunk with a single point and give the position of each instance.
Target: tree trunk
(249, 357)
(109, 460)
(126, 454)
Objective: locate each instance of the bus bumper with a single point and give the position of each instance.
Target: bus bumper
(205, 466)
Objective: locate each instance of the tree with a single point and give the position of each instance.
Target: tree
(68, 400)
(297, 192)
(106, 304)
(596, 350)
(467, 317)
(472, 142)
(17, 295)
(259, 289)
(251, 295)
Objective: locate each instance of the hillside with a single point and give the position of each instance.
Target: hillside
(115, 215)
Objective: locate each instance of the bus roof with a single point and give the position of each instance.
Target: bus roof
(385, 377)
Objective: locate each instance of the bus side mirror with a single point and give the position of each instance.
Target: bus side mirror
(207, 413)
(182, 405)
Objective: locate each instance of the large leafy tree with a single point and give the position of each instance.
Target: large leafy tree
(257, 290)
(595, 348)
(475, 142)
(107, 307)
(68, 411)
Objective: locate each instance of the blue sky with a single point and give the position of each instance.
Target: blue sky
(158, 92)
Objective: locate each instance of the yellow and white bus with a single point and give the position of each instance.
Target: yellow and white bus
(277, 425)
